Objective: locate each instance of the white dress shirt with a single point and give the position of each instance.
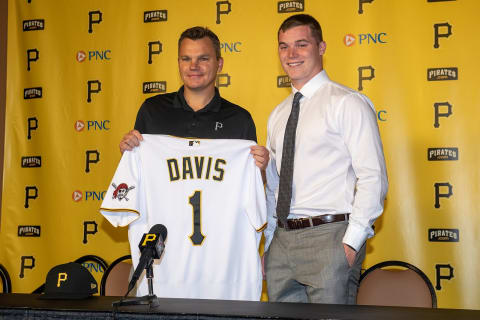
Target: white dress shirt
(339, 165)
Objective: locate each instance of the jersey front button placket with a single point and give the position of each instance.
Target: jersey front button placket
(193, 125)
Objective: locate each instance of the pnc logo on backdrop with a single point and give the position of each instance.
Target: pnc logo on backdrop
(365, 39)
(92, 125)
(93, 55)
(230, 47)
(93, 267)
(78, 195)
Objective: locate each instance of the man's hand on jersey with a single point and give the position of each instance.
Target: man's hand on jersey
(130, 140)
(261, 156)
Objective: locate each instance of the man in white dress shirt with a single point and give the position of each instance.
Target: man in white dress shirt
(320, 219)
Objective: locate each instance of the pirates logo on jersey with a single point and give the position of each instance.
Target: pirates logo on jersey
(121, 191)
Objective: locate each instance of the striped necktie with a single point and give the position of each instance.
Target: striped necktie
(288, 154)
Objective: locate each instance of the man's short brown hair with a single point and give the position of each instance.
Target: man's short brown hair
(303, 20)
(197, 33)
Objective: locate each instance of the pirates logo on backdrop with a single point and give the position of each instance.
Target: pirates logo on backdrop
(32, 93)
(29, 231)
(32, 162)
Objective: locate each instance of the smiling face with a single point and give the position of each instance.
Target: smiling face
(198, 64)
(300, 54)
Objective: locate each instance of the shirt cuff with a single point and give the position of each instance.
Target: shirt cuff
(355, 237)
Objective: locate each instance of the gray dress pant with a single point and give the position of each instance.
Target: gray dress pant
(309, 265)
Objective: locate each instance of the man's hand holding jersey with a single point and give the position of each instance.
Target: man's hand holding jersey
(130, 140)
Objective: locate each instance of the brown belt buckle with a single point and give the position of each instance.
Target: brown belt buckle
(283, 225)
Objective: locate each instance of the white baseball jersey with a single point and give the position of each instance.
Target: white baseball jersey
(210, 196)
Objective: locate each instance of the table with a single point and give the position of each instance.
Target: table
(29, 306)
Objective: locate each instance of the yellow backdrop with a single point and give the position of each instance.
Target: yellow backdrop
(79, 70)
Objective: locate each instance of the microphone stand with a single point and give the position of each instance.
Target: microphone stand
(150, 299)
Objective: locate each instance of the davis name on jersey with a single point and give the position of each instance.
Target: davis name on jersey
(210, 196)
(198, 167)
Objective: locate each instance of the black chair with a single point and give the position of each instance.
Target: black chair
(6, 283)
(396, 283)
(115, 279)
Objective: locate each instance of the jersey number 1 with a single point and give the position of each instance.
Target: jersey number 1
(195, 201)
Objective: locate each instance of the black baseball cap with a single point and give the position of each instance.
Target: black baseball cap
(69, 281)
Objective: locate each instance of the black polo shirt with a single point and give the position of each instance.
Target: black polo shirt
(170, 114)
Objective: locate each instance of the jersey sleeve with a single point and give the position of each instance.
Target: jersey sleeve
(122, 199)
(254, 195)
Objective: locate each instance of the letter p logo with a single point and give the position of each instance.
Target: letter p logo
(438, 27)
(149, 238)
(223, 7)
(362, 75)
(62, 277)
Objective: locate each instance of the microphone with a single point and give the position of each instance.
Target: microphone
(151, 247)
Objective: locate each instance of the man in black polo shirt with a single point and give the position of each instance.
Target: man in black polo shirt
(196, 110)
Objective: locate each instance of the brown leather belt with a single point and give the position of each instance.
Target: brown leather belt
(313, 221)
